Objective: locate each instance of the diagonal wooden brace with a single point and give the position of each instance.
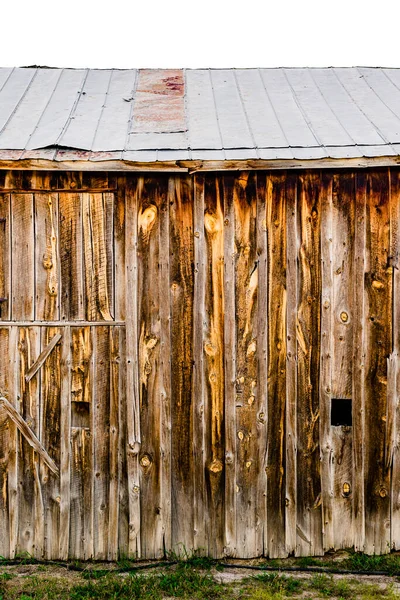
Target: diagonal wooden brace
(42, 357)
(28, 434)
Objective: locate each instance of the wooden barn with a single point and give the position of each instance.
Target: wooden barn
(199, 312)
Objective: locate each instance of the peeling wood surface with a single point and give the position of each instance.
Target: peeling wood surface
(204, 324)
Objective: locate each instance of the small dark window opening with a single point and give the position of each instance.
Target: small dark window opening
(341, 412)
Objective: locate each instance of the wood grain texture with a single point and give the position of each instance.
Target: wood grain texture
(5, 257)
(81, 460)
(200, 541)
(47, 274)
(133, 190)
(5, 448)
(309, 518)
(327, 301)
(291, 367)
(394, 394)
(71, 258)
(213, 358)
(249, 455)
(101, 443)
(65, 444)
(23, 257)
(30, 494)
(151, 198)
(343, 193)
(181, 310)
(208, 321)
(231, 439)
(276, 235)
(358, 382)
(378, 345)
(50, 436)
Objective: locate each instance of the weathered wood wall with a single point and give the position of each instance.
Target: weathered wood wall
(204, 323)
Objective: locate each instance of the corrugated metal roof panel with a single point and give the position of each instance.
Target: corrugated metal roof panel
(55, 117)
(261, 115)
(290, 117)
(158, 115)
(112, 130)
(203, 126)
(235, 132)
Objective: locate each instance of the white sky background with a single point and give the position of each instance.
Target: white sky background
(200, 33)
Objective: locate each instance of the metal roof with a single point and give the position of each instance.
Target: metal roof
(223, 114)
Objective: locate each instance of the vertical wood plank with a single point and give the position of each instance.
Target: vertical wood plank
(119, 250)
(23, 257)
(50, 431)
(291, 368)
(65, 443)
(214, 365)
(378, 345)
(81, 465)
(133, 190)
(327, 307)
(276, 228)
(30, 495)
(248, 528)
(342, 352)
(181, 275)
(5, 257)
(358, 361)
(101, 440)
(395, 264)
(151, 201)
(47, 279)
(166, 346)
(123, 511)
(199, 386)
(230, 548)
(13, 453)
(262, 361)
(71, 257)
(96, 228)
(113, 502)
(5, 446)
(309, 514)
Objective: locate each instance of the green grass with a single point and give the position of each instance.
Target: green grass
(192, 578)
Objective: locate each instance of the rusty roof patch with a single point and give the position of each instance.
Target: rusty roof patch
(159, 105)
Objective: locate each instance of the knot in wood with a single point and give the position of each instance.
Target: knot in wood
(344, 317)
(209, 349)
(151, 343)
(212, 377)
(251, 350)
(228, 458)
(145, 461)
(378, 285)
(146, 221)
(383, 492)
(250, 400)
(346, 489)
(240, 435)
(216, 466)
(197, 234)
(47, 263)
(211, 223)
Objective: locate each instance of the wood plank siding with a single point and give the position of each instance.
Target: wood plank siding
(204, 362)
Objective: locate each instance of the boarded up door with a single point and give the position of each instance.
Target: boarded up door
(62, 336)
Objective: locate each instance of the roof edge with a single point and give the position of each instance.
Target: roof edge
(194, 166)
